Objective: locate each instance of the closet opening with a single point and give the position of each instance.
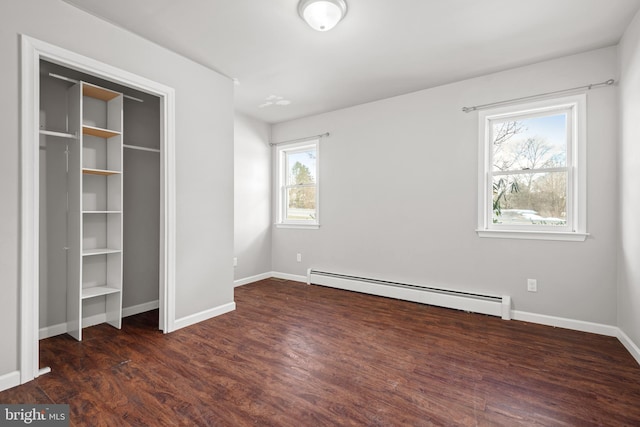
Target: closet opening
(52, 130)
(99, 201)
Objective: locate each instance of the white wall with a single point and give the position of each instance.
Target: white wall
(252, 203)
(629, 250)
(399, 195)
(204, 152)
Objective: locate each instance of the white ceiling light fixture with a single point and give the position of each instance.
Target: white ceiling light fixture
(322, 15)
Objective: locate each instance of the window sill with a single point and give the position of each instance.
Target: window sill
(534, 235)
(300, 226)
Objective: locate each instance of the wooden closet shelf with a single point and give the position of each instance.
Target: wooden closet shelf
(99, 132)
(98, 92)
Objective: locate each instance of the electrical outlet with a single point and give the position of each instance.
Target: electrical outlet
(299, 257)
(532, 285)
(235, 261)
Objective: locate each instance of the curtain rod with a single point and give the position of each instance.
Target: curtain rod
(492, 104)
(67, 79)
(300, 139)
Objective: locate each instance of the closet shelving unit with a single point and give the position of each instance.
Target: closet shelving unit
(95, 224)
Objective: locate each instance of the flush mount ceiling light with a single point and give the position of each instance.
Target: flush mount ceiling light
(322, 15)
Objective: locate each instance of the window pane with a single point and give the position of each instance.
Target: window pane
(530, 143)
(301, 167)
(530, 199)
(301, 204)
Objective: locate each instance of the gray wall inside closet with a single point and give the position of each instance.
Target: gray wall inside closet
(53, 203)
(141, 203)
(141, 210)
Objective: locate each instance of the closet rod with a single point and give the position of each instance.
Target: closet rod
(135, 147)
(58, 134)
(67, 79)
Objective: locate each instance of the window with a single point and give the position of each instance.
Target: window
(297, 181)
(532, 171)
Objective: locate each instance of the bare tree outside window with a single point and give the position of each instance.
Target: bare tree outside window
(529, 171)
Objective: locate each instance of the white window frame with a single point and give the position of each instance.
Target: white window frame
(575, 230)
(281, 187)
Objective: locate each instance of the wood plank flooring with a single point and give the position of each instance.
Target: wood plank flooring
(298, 355)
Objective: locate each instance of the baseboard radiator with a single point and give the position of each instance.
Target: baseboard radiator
(475, 303)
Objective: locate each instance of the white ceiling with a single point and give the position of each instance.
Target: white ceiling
(381, 49)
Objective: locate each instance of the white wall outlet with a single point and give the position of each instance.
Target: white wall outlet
(532, 285)
(299, 257)
(235, 261)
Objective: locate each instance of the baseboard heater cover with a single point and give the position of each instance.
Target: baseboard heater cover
(467, 301)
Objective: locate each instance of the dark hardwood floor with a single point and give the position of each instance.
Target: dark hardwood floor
(298, 355)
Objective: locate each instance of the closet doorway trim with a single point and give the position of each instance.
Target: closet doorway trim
(32, 51)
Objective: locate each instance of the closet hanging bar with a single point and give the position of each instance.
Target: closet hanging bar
(58, 134)
(307, 138)
(67, 79)
(135, 147)
(524, 98)
(133, 98)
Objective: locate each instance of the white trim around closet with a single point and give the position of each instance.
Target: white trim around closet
(32, 51)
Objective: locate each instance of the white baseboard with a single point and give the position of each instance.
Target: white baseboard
(61, 328)
(629, 345)
(203, 315)
(140, 308)
(9, 380)
(94, 320)
(52, 331)
(561, 322)
(287, 276)
(268, 275)
(252, 279)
